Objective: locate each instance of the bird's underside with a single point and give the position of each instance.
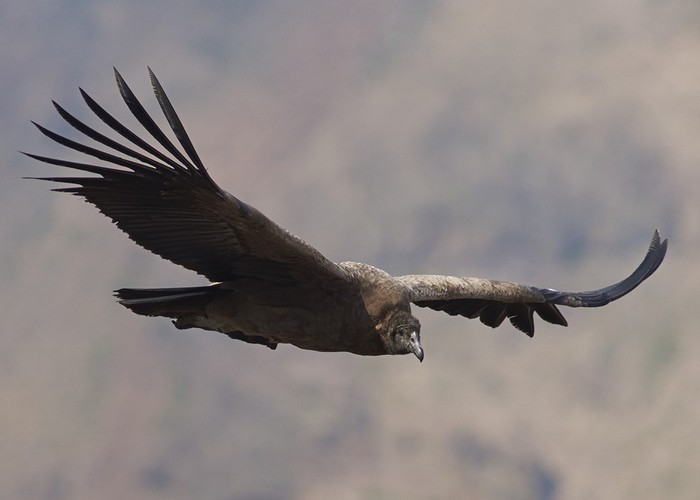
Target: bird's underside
(269, 286)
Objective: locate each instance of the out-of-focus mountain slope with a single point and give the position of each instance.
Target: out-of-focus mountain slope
(537, 141)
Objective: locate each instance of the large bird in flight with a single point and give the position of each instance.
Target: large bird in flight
(268, 286)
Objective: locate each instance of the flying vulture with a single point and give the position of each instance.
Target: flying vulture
(268, 286)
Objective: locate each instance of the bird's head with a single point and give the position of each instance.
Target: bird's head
(402, 335)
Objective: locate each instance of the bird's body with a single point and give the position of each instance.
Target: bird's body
(268, 286)
(317, 319)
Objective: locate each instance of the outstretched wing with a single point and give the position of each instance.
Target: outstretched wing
(167, 202)
(492, 301)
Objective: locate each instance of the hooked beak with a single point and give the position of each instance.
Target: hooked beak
(416, 348)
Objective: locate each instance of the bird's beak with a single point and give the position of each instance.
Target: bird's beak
(416, 348)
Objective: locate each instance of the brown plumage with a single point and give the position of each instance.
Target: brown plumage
(269, 286)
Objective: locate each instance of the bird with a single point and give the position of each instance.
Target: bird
(266, 285)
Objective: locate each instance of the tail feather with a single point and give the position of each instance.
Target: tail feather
(187, 306)
(169, 302)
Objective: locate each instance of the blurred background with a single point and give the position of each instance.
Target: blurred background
(538, 141)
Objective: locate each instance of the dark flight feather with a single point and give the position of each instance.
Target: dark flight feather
(172, 207)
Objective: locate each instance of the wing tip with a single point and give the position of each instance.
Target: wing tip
(596, 298)
(655, 255)
(151, 74)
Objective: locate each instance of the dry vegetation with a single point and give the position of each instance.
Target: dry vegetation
(535, 140)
